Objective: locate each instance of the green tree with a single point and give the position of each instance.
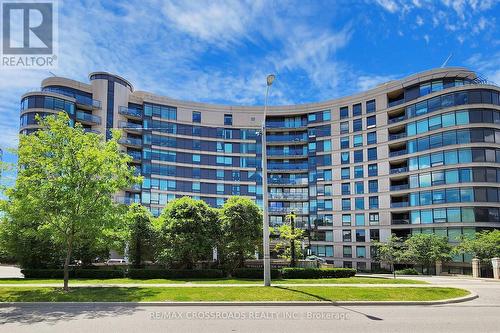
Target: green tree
(427, 249)
(289, 245)
(241, 226)
(65, 183)
(140, 233)
(188, 232)
(390, 252)
(484, 246)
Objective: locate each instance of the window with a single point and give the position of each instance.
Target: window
(374, 235)
(220, 174)
(344, 158)
(359, 203)
(359, 219)
(373, 218)
(372, 170)
(372, 154)
(346, 219)
(358, 156)
(220, 188)
(327, 145)
(344, 142)
(371, 138)
(346, 204)
(371, 122)
(228, 119)
(373, 202)
(347, 251)
(344, 112)
(358, 171)
(346, 236)
(371, 106)
(327, 115)
(372, 186)
(345, 173)
(358, 188)
(196, 117)
(196, 158)
(357, 125)
(356, 110)
(344, 127)
(357, 140)
(360, 251)
(360, 235)
(346, 188)
(196, 187)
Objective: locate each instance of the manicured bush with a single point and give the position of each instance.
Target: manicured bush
(255, 273)
(45, 273)
(73, 273)
(317, 273)
(175, 273)
(407, 271)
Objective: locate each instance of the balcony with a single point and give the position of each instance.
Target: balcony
(399, 204)
(398, 170)
(396, 136)
(297, 153)
(88, 118)
(286, 125)
(130, 127)
(287, 167)
(128, 112)
(90, 130)
(289, 196)
(288, 181)
(130, 142)
(400, 221)
(396, 102)
(399, 187)
(288, 210)
(397, 119)
(135, 188)
(286, 138)
(136, 155)
(398, 153)
(127, 200)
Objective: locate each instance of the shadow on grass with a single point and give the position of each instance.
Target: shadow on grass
(321, 298)
(34, 313)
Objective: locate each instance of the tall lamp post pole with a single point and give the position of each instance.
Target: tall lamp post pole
(265, 222)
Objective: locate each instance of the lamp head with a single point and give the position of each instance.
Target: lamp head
(270, 79)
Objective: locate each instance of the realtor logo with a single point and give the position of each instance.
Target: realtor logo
(28, 34)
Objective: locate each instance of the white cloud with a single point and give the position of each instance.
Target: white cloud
(419, 20)
(389, 5)
(487, 66)
(367, 82)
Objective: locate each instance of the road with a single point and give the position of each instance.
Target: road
(480, 315)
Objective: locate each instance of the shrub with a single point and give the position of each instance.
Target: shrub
(255, 273)
(407, 271)
(317, 273)
(73, 273)
(175, 274)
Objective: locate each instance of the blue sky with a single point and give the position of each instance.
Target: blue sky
(221, 51)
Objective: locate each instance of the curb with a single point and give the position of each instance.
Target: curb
(264, 303)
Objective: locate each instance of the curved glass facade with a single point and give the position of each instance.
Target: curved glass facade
(402, 158)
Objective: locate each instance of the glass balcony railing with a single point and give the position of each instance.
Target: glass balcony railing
(287, 181)
(398, 153)
(130, 112)
(136, 155)
(127, 200)
(90, 130)
(82, 116)
(399, 170)
(130, 126)
(397, 119)
(287, 138)
(130, 141)
(399, 204)
(399, 187)
(290, 166)
(294, 152)
(289, 196)
(396, 102)
(288, 210)
(400, 221)
(397, 136)
(284, 124)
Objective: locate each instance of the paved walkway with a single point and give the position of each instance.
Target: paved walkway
(205, 285)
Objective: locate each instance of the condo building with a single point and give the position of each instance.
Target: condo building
(415, 155)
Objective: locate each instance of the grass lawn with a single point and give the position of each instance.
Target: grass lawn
(134, 294)
(354, 280)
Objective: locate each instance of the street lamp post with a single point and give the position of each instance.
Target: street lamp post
(265, 204)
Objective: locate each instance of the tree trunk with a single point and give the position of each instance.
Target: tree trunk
(69, 248)
(292, 242)
(393, 271)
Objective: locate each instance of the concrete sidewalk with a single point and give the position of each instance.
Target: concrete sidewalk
(216, 285)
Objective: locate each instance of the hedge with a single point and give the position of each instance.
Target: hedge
(255, 273)
(175, 273)
(407, 271)
(78, 273)
(317, 273)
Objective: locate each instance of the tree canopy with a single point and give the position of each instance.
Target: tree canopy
(484, 246)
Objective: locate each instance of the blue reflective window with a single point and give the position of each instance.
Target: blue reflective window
(452, 195)
(371, 138)
(358, 156)
(372, 170)
(415, 217)
(344, 142)
(345, 173)
(359, 203)
(465, 175)
(358, 171)
(344, 158)
(451, 176)
(357, 140)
